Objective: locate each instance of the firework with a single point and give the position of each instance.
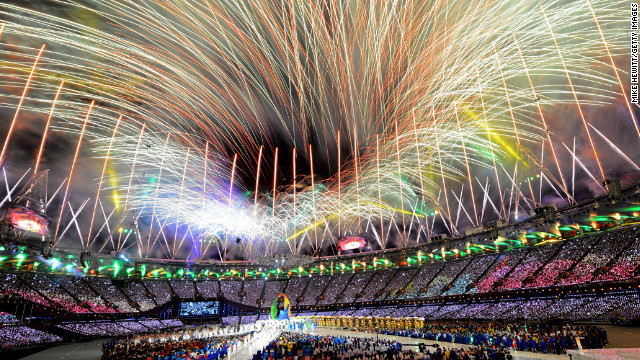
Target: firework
(429, 97)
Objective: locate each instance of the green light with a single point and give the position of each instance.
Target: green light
(21, 258)
(116, 268)
(54, 263)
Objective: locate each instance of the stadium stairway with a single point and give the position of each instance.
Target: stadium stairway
(475, 281)
(596, 241)
(496, 285)
(261, 299)
(390, 290)
(455, 278)
(408, 282)
(150, 294)
(340, 295)
(426, 287)
(532, 278)
(615, 258)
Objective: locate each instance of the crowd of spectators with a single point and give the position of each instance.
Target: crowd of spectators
(377, 283)
(471, 274)
(359, 312)
(185, 289)
(356, 285)
(291, 345)
(273, 289)
(160, 290)
(448, 273)
(608, 256)
(77, 287)
(422, 279)
(335, 288)
(111, 293)
(503, 266)
(608, 246)
(401, 282)
(119, 328)
(6, 318)
(230, 320)
(202, 343)
(572, 250)
(248, 319)
(425, 310)
(15, 336)
(306, 313)
(536, 258)
(54, 292)
(521, 336)
(312, 292)
(252, 291)
(138, 293)
(11, 285)
(623, 306)
(207, 288)
(295, 287)
(626, 265)
(231, 290)
(473, 311)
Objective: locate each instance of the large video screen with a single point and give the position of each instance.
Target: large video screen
(27, 219)
(352, 242)
(199, 308)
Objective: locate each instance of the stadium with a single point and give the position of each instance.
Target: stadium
(442, 180)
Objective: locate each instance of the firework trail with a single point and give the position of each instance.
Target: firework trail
(426, 94)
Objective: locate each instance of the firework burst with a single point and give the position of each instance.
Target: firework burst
(194, 99)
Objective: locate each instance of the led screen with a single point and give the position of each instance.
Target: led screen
(27, 219)
(199, 308)
(352, 242)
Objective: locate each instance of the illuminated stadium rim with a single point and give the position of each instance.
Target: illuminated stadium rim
(131, 269)
(69, 262)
